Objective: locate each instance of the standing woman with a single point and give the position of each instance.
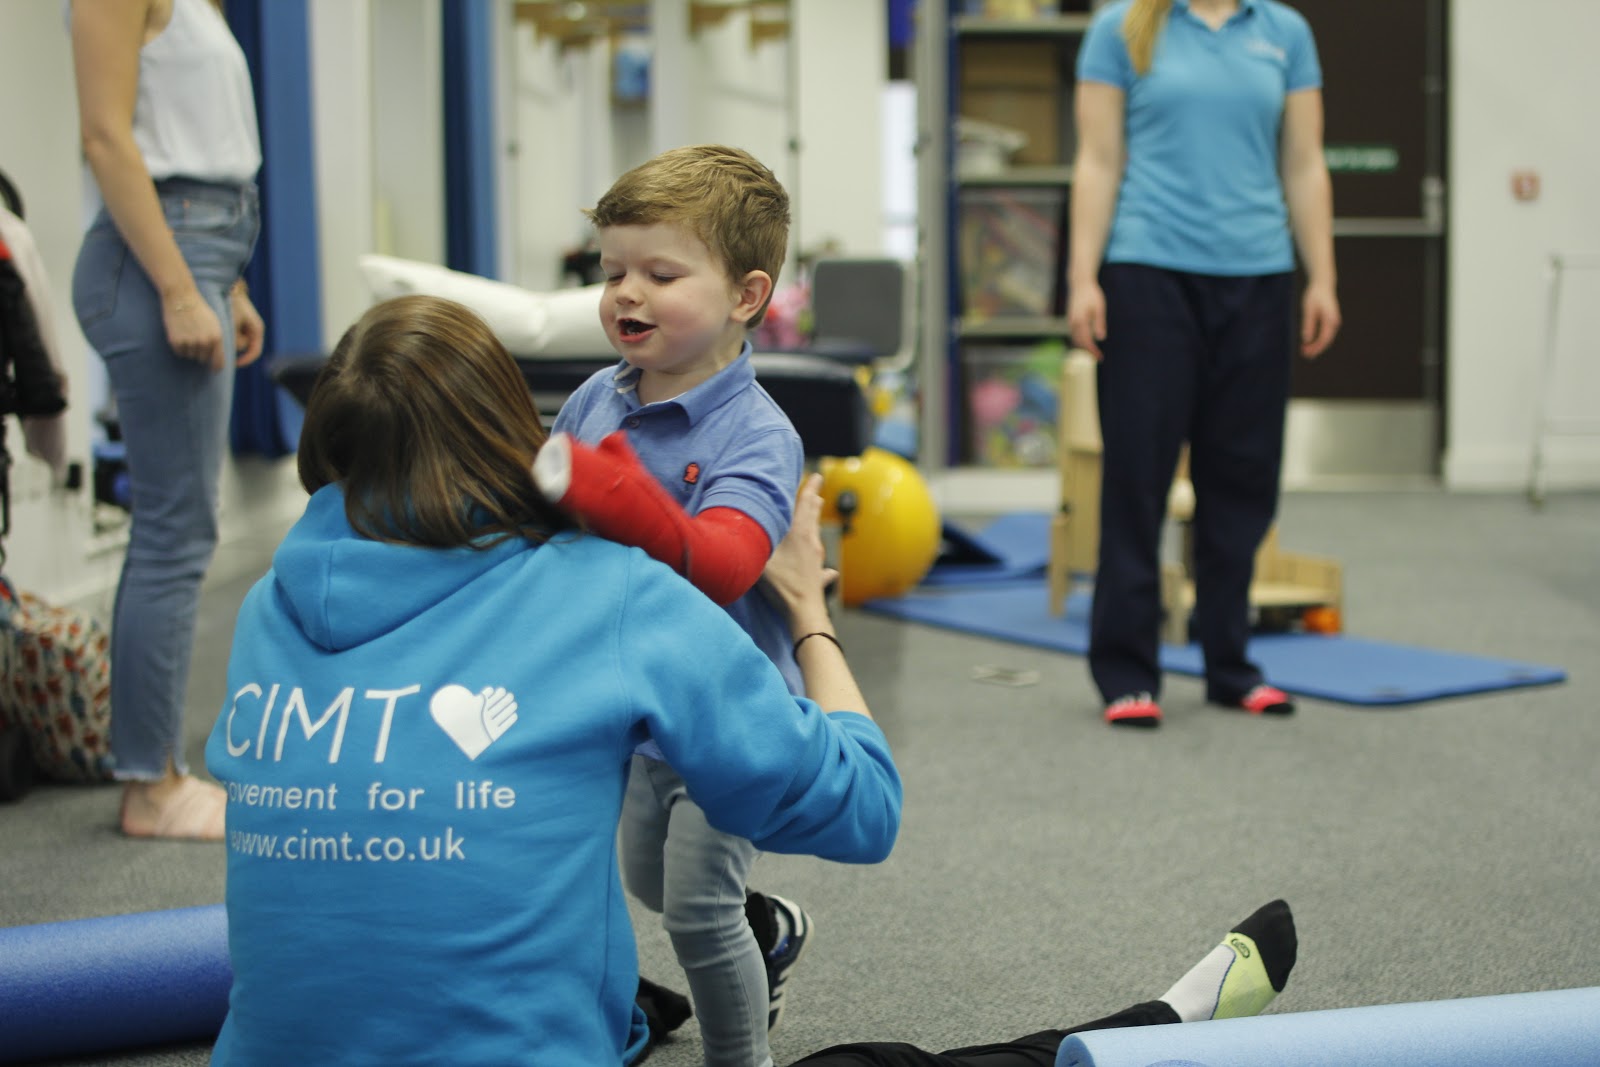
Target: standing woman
(1199, 172)
(169, 132)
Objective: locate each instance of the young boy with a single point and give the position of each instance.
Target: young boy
(679, 451)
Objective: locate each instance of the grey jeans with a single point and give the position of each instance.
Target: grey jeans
(694, 876)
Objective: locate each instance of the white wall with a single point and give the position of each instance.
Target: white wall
(560, 164)
(818, 89)
(39, 150)
(52, 549)
(841, 53)
(407, 127)
(1522, 85)
(342, 96)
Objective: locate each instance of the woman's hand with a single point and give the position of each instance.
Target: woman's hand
(249, 332)
(1319, 320)
(193, 330)
(796, 577)
(797, 580)
(1086, 316)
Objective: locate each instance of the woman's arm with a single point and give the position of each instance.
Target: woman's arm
(106, 38)
(1096, 176)
(249, 332)
(797, 581)
(1308, 193)
(761, 762)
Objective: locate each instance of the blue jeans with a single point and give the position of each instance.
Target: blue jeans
(173, 413)
(694, 876)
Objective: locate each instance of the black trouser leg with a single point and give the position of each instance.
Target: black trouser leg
(1235, 462)
(1034, 1050)
(1145, 387)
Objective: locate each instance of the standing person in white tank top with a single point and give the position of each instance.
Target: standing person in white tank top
(169, 133)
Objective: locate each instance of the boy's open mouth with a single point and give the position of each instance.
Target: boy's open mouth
(633, 327)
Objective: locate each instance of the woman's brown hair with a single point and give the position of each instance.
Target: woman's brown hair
(1141, 26)
(425, 421)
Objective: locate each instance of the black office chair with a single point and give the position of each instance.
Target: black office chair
(858, 308)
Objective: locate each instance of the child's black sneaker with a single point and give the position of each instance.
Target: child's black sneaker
(784, 955)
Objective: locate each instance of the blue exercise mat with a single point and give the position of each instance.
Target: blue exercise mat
(119, 982)
(1012, 546)
(1331, 667)
(1558, 1028)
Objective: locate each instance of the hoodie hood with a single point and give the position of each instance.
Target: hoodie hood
(344, 590)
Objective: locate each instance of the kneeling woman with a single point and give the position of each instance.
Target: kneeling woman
(432, 701)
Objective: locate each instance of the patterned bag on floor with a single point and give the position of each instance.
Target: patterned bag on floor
(55, 685)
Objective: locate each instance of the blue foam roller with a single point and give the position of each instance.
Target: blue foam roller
(90, 985)
(1560, 1028)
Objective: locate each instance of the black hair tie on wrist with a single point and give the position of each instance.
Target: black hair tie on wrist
(817, 633)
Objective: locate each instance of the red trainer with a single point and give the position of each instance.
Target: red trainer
(1267, 700)
(1135, 709)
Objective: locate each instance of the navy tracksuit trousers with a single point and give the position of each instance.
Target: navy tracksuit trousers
(1034, 1050)
(1204, 359)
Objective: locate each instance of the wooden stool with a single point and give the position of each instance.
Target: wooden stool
(1287, 587)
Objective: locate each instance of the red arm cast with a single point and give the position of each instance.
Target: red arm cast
(721, 550)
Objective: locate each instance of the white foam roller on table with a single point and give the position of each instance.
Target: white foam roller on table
(557, 324)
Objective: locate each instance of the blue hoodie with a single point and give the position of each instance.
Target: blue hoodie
(425, 752)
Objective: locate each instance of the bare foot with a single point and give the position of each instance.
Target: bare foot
(182, 808)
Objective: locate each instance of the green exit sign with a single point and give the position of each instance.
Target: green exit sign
(1362, 158)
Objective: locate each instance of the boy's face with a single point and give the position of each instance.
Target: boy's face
(668, 305)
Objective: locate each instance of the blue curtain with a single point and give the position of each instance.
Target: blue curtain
(902, 23)
(285, 273)
(469, 155)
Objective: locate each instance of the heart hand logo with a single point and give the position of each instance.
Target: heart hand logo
(474, 721)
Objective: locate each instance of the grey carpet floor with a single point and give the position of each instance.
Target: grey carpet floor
(1051, 869)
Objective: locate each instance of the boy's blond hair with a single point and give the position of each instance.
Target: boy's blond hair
(725, 196)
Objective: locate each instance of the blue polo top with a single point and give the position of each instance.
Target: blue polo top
(723, 444)
(1201, 190)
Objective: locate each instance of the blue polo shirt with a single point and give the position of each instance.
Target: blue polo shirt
(723, 444)
(1201, 190)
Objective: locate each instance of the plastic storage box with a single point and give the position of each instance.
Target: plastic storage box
(1011, 251)
(1012, 402)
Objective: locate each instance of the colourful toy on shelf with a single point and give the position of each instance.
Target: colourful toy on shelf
(1012, 400)
(1009, 251)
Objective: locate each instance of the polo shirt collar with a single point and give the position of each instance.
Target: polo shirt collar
(703, 398)
(1245, 6)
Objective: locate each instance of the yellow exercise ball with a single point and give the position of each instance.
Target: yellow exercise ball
(889, 527)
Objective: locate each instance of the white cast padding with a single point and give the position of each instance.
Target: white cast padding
(559, 324)
(1558, 1028)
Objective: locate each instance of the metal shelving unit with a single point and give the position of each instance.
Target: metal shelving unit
(940, 185)
(1013, 326)
(1071, 24)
